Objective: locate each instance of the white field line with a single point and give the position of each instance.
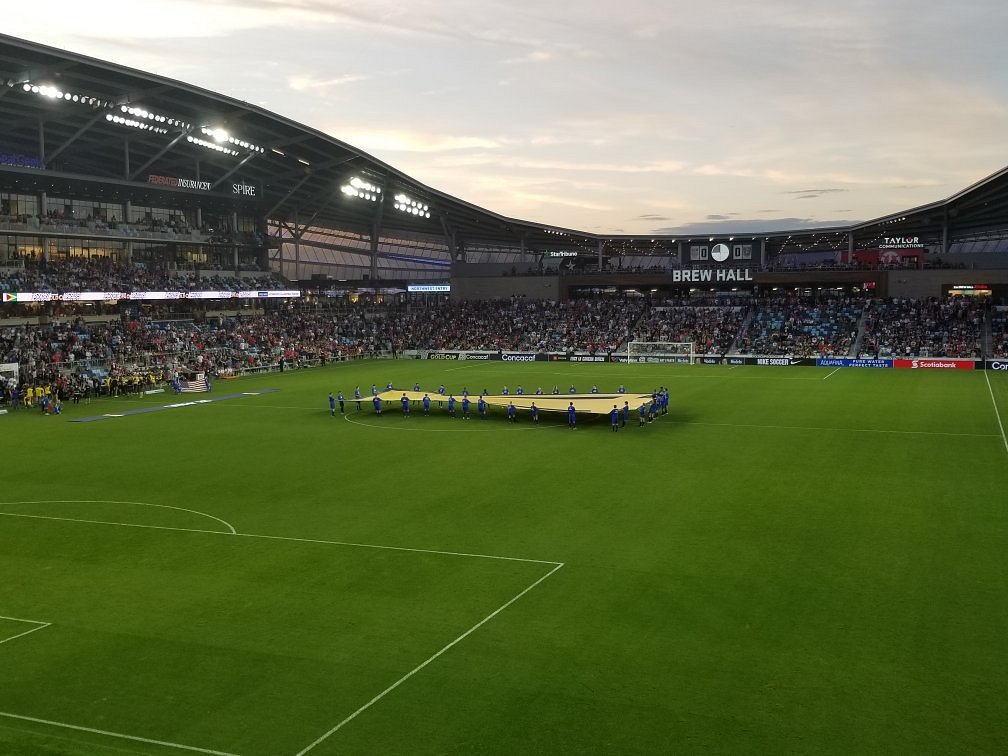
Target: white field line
(111, 734)
(555, 565)
(424, 663)
(840, 430)
(398, 548)
(225, 523)
(997, 412)
(38, 626)
(831, 373)
(278, 538)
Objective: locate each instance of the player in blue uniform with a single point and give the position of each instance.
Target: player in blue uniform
(556, 389)
(376, 401)
(594, 389)
(342, 402)
(572, 389)
(451, 405)
(626, 413)
(519, 390)
(539, 391)
(374, 390)
(441, 395)
(465, 407)
(621, 389)
(426, 404)
(482, 407)
(535, 414)
(356, 396)
(571, 416)
(511, 412)
(642, 412)
(389, 386)
(332, 405)
(504, 391)
(416, 386)
(405, 406)
(614, 415)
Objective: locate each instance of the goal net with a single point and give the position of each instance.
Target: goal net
(678, 352)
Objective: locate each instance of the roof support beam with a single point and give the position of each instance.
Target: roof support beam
(376, 233)
(158, 156)
(236, 167)
(289, 194)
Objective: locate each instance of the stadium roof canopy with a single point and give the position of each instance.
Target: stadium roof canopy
(103, 129)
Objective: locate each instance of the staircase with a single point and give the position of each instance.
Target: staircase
(855, 349)
(743, 329)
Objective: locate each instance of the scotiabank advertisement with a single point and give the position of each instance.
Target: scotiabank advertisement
(934, 363)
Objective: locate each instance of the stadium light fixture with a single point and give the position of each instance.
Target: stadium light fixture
(211, 145)
(405, 204)
(361, 189)
(51, 92)
(223, 138)
(141, 125)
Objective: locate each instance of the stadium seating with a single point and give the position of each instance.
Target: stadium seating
(923, 328)
(803, 326)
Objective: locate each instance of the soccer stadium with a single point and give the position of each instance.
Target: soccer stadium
(304, 456)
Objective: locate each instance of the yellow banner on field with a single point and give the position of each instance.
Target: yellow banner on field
(595, 404)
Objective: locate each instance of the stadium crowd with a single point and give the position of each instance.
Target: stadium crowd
(999, 332)
(923, 328)
(106, 274)
(712, 328)
(824, 325)
(71, 357)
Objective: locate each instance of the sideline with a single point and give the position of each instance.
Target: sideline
(174, 405)
(997, 412)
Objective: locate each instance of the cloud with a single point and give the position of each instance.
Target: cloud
(308, 83)
(813, 193)
(377, 142)
(748, 226)
(729, 216)
(653, 217)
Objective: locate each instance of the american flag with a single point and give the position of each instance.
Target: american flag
(194, 386)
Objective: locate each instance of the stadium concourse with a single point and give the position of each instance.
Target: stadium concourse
(594, 404)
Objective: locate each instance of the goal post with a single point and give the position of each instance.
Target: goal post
(679, 352)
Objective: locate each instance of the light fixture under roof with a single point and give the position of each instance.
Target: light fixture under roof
(361, 189)
(405, 204)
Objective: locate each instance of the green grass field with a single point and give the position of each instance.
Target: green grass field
(793, 560)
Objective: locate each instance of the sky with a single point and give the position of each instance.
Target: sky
(628, 117)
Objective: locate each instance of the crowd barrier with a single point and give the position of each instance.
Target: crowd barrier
(911, 363)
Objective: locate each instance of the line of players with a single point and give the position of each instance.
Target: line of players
(618, 417)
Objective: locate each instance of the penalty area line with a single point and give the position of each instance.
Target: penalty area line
(831, 373)
(295, 539)
(39, 625)
(111, 734)
(424, 663)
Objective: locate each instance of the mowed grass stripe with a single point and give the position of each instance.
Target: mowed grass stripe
(198, 636)
(725, 588)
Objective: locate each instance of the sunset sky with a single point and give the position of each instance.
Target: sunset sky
(632, 117)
